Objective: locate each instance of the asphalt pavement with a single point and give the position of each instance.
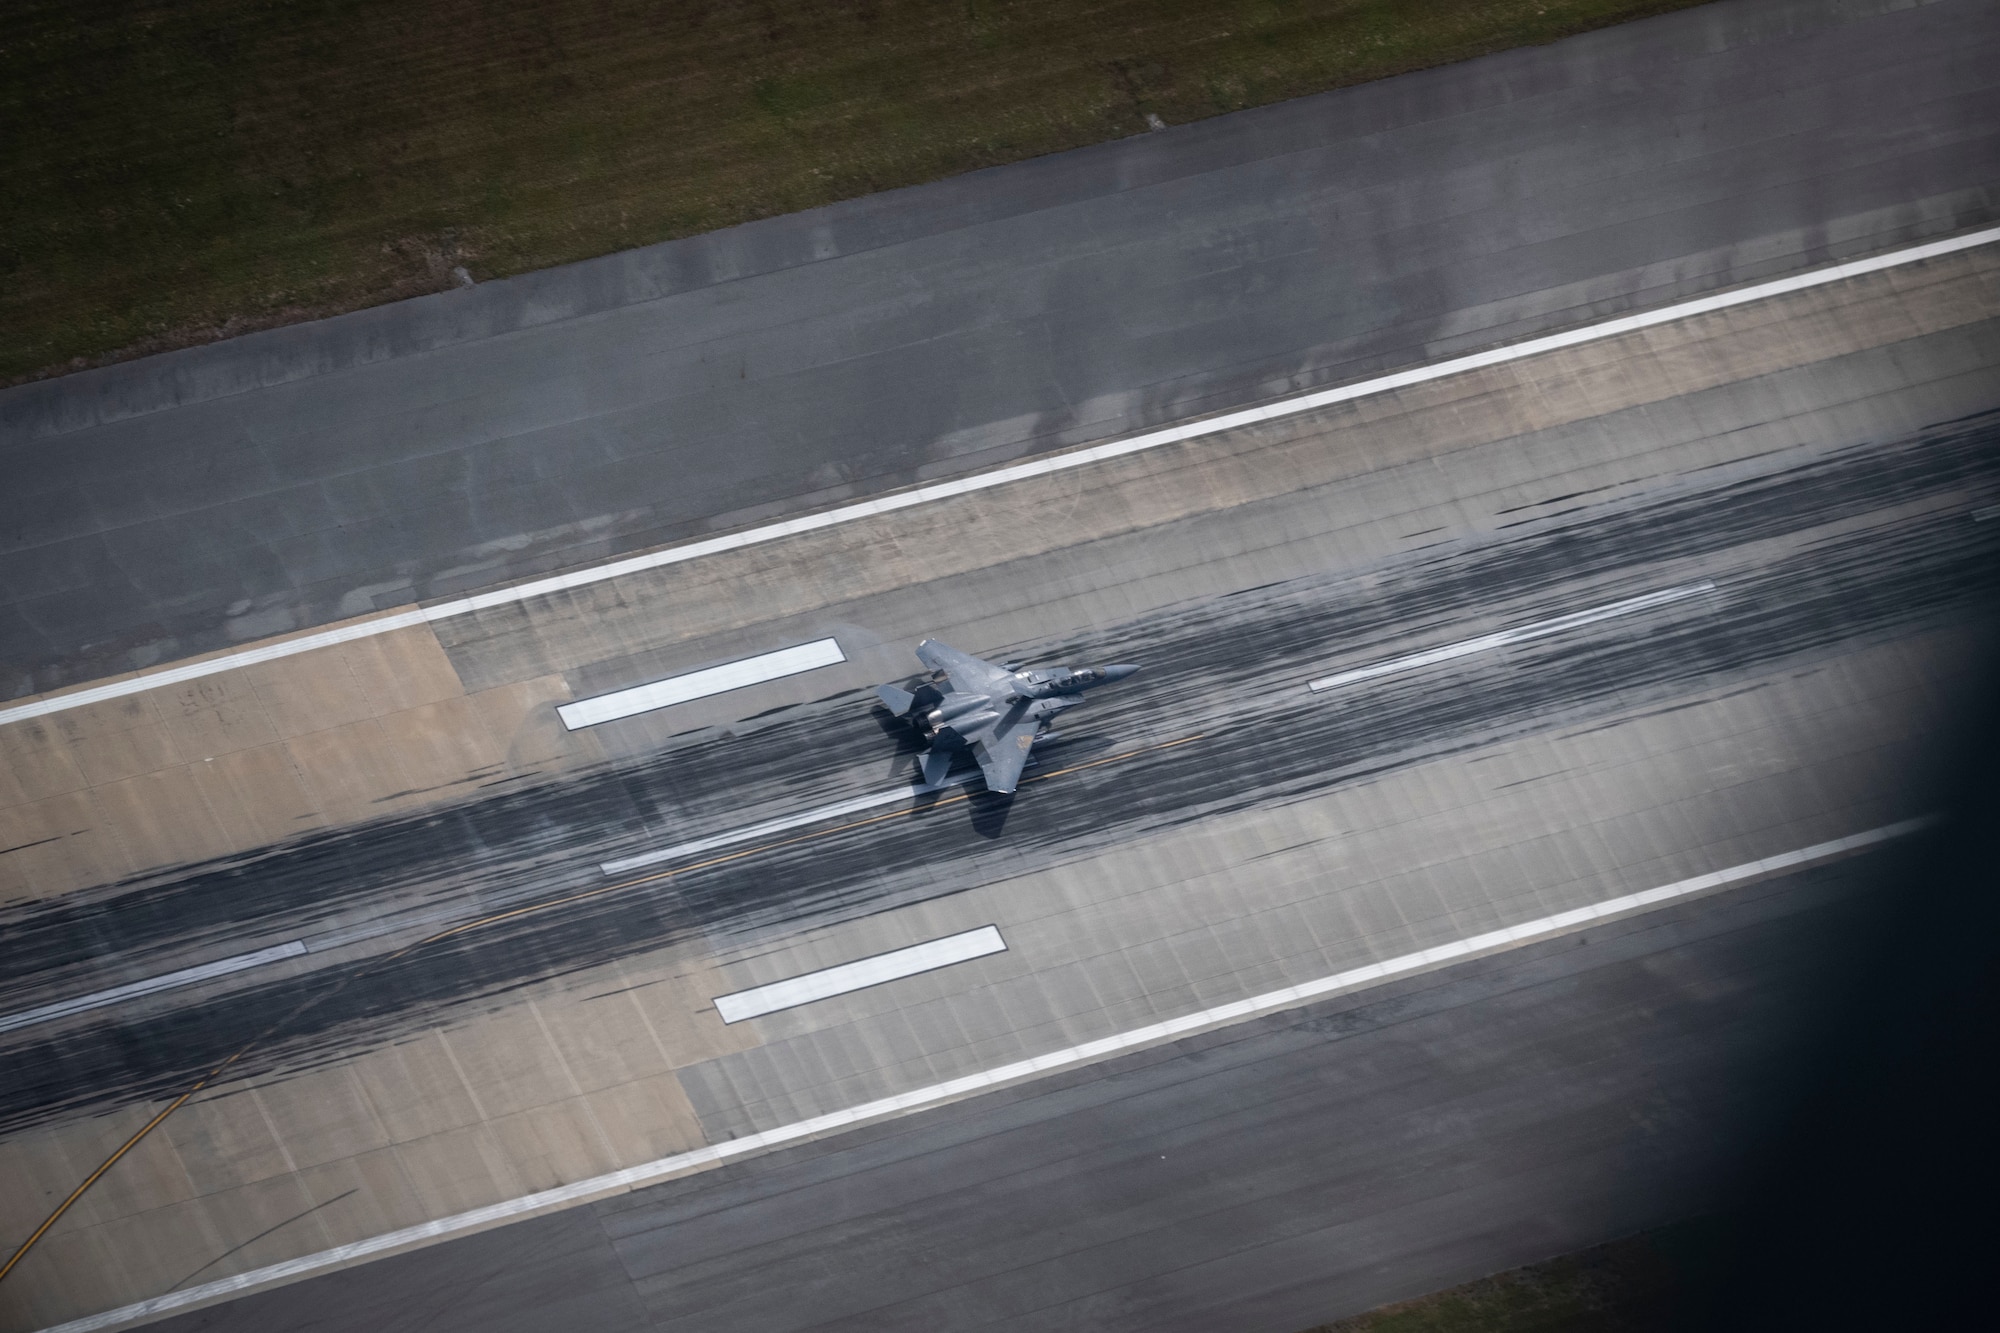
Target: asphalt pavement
(188, 502)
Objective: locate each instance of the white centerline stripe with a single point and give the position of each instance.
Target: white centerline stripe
(1518, 634)
(700, 684)
(1003, 476)
(1291, 997)
(835, 811)
(187, 976)
(859, 974)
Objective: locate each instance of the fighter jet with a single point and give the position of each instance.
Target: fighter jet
(996, 710)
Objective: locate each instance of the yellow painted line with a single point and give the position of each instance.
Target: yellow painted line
(498, 917)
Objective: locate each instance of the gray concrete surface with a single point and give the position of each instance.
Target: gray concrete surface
(190, 501)
(1261, 1179)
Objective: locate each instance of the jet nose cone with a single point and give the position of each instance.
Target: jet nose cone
(1112, 673)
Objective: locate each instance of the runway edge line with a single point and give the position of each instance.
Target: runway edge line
(1060, 462)
(1020, 1071)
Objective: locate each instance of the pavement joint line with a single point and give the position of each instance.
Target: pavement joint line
(1059, 462)
(939, 1094)
(846, 978)
(680, 689)
(1538, 629)
(186, 976)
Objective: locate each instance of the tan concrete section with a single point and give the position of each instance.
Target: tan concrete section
(249, 757)
(710, 600)
(1378, 869)
(567, 1080)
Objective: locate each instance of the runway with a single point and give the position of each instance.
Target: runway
(1803, 555)
(208, 498)
(1421, 668)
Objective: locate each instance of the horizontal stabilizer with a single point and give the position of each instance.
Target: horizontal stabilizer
(936, 764)
(895, 700)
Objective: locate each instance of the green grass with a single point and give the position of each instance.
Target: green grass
(181, 171)
(1652, 1283)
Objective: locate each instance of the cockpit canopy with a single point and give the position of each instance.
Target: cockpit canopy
(1044, 681)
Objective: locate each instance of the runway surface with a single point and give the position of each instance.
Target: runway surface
(1804, 554)
(1318, 1164)
(194, 501)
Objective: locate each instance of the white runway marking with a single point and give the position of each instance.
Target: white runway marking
(1519, 634)
(1002, 476)
(187, 976)
(700, 684)
(733, 836)
(937, 1094)
(859, 974)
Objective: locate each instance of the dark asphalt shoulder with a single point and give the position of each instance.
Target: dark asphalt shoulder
(191, 501)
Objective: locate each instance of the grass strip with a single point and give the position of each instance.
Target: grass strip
(182, 170)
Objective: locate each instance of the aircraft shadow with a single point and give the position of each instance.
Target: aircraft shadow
(897, 729)
(989, 812)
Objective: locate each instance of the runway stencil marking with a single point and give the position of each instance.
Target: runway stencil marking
(859, 974)
(1076, 458)
(938, 1094)
(1519, 634)
(700, 684)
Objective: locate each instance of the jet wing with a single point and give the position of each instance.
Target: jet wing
(968, 674)
(1004, 753)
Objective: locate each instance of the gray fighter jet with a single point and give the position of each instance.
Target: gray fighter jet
(996, 710)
